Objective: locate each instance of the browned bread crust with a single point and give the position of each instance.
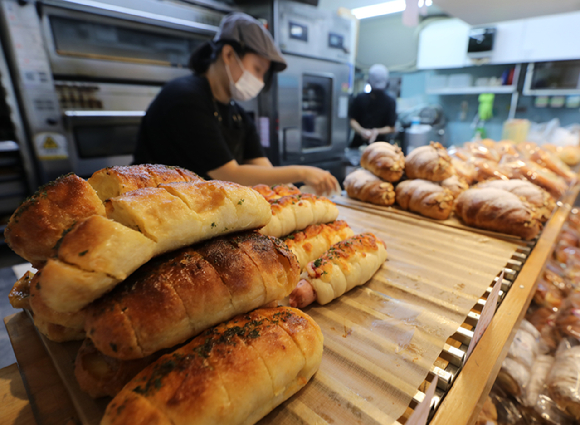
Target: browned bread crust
(315, 240)
(276, 191)
(498, 210)
(429, 163)
(180, 294)
(114, 181)
(41, 221)
(100, 376)
(426, 198)
(19, 295)
(234, 373)
(384, 160)
(43, 312)
(365, 186)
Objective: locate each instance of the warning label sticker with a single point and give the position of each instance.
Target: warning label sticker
(50, 146)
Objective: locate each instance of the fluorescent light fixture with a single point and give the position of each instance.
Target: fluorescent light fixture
(367, 88)
(386, 8)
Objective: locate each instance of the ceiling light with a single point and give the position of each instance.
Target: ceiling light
(386, 8)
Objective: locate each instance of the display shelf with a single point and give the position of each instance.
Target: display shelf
(463, 402)
(473, 90)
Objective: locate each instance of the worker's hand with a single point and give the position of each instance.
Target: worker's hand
(374, 134)
(322, 181)
(366, 134)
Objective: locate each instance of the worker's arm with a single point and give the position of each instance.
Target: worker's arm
(385, 130)
(364, 132)
(250, 175)
(262, 161)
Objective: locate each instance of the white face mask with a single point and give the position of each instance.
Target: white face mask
(247, 87)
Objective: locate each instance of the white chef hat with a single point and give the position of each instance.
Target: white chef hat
(378, 76)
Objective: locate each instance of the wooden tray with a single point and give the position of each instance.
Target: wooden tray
(445, 268)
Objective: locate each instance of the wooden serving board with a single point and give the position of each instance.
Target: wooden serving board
(381, 339)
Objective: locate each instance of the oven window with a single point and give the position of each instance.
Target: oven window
(94, 40)
(316, 105)
(105, 140)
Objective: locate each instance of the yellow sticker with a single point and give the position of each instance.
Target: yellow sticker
(49, 143)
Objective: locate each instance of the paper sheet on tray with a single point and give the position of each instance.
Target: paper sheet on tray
(381, 339)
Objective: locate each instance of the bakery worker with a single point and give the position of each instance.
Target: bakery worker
(195, 121)
(373, 115)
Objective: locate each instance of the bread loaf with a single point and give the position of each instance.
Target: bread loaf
(365, 186)
(384, 160)
(455, 184)
(464, 170)
(345, 265)
(232, 374)
(100, 376)
(429, 163)
(114, 181)
(534, 195)
(19, 295)
(296, 212)
(497, 210)
(98, 253)
(182, 293)
(43, 312)
(310, 243)
(58, 333)
(38, 224)
(276, 191)
(553, 163)
(426, 198)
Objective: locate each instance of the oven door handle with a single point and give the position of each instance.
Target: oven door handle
(76, 117)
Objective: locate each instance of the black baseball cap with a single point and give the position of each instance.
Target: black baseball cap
(251, 34)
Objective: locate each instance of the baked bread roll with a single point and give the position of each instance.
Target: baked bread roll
(553, 163)
(276, 191)
(19, 295)
(464, 170)
(429, 163)
(365, 186)
(570, 155)
(534, 195)
(296, 212)
(564, 379)
(114, 181)
(98, 253)
(180, 294)
(455, 184)
(384, 160)
(546, 179)
(58, 333)
(180, 214)
(426, 198)
(101, 376)
(310, 243)
(40, 221)
(74, 321)
(345, 265)
(499, 211)
(235, 373)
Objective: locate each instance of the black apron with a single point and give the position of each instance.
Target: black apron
(232, 129)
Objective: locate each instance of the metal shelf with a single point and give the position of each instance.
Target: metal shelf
(474, 90)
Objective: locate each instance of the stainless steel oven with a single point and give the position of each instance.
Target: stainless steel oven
(307, 107)
(85, 71)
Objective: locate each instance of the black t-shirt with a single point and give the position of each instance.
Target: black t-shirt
(373, 110)
(181, 128)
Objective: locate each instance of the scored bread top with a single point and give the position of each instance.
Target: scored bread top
(40, 222)
(114, 181)
(234, 373)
